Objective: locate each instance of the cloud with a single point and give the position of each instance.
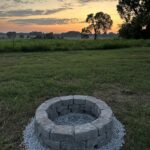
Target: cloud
(7, 4)
(30, 12)
(44, 21)
(52, 11)
(81, 2)
(34, 1)
(86, 1)
(24, 1)
(11, 3)
(26, 12)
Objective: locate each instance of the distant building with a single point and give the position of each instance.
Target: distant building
(3, 36)
(22, 35)
(110, 35)
(49, 35)
(58, 36)
(36, 35)
(71, 35)
(85, 36)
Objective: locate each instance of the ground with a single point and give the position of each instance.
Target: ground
(120, 77)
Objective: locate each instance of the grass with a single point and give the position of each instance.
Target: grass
(68, 45)
(119, 77)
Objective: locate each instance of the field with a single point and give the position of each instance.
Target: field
(121, 77)
(35, 45)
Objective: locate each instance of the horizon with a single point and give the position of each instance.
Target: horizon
(54, 32)
(56, 16)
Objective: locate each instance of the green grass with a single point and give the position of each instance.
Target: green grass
(68, 45)
(119, 77)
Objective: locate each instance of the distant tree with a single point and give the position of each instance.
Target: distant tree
(36, 35)
(21, 36)
(136, 14)
(99, 23)
(71, 34)
(85, 33)
(12, 35)
(49, 35)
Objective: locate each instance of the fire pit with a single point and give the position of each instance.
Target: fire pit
(72, 123)
(91, 132)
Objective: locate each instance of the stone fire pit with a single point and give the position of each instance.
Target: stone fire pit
(73, 123)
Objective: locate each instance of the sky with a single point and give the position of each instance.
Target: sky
(53, 15)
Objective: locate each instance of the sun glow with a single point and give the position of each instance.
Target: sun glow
(57, 11)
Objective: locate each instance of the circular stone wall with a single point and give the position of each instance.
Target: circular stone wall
(88, 134)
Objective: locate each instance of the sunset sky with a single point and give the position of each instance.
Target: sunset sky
(52, 15)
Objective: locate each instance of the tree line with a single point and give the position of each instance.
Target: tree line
(36, 35)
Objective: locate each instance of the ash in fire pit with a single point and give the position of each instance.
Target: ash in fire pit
(74, 123)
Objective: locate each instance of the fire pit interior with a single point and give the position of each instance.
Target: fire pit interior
(74, 119)
(71, 111)
(74, 123)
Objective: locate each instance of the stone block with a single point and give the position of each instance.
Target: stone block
(95, 111)
(73, 145)
(91, 143)
(102, 105)
(52, 114)
(96, 143)
(66, 100)
(109, 130)
(52, 144)
(74, 108)
(92, 99)
(85, 132)
(52, 101)
(62, 133)
(40, 115)
(64, 112)
(82, 108)
(89, 106)
(107, 113)
(60, 109)
(79, 99)
(100, 124)
(58, 105)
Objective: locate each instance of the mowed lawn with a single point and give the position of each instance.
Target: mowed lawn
(119, 77)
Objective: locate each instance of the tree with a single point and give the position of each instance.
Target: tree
(85, 33)
(21, 36)
(136, 14)
(129, 31)
(49, 35)
(11, 35)
(99, 23)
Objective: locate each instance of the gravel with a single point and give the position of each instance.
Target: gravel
(31, 142)
(74, 119)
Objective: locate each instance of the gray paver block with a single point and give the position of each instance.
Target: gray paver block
(74, 108)
(60, 109)
(73, 145)
(66, 100)
(85, 132)
(62, 133)
(79, 99)
(52, 144)
(107, 113)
